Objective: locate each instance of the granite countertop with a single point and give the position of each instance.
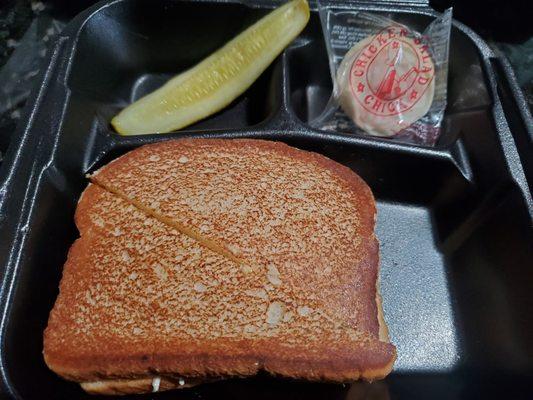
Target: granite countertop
(17, 18)
(29, 26)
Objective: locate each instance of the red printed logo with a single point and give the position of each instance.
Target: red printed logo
(391, 73)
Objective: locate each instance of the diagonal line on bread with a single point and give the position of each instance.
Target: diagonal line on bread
(266, 203)
(308, 311)
(186, 230)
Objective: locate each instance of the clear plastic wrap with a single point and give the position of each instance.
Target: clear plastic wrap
(388, 79)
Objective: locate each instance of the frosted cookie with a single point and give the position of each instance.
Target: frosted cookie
(386, 82)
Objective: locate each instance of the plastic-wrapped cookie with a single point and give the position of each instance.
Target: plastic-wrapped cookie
(385, 82)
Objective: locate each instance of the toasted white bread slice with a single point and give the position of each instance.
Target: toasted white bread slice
(306, 218)
(140, 300)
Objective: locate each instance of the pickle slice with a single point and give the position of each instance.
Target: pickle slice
(217, 80)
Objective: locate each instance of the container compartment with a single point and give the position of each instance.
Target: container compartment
(310, 88)
(128, 49)
(454, 221)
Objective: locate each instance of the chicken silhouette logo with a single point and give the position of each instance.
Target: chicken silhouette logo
(387, 81)
(394, 82)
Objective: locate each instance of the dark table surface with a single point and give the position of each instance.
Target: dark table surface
(31, 25)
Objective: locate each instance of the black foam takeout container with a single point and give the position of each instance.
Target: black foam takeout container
(454, 221)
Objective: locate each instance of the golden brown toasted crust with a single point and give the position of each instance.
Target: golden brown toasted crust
(126, 313)
(265, 203)
(383, 329)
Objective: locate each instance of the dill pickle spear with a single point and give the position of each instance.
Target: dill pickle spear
(217, 80)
